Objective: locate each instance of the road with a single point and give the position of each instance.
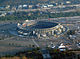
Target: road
(11, 42)
(35, 43)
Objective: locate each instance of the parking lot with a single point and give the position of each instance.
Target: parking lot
(10, 42)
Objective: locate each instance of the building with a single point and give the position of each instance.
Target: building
(40, 28)
(62, 47)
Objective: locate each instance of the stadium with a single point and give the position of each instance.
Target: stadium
(40, 28)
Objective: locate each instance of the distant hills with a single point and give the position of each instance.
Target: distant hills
(17, 2)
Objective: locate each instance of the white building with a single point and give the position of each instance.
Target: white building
(50, 5)
(62, 47)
